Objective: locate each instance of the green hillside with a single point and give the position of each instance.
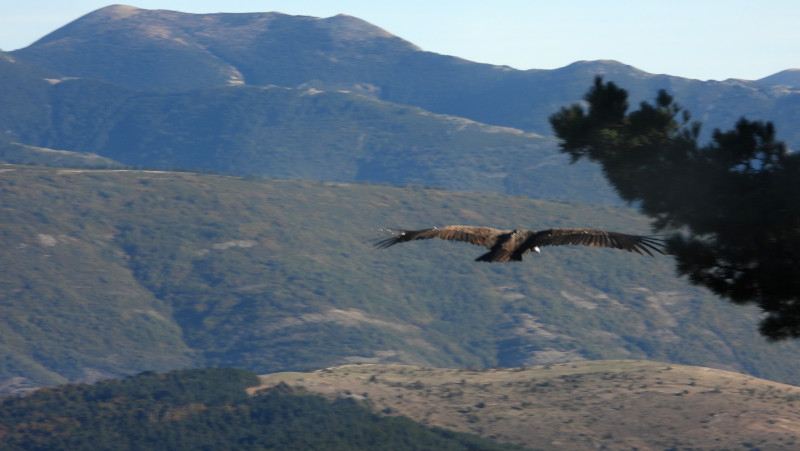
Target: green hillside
(283, 133)
(114, 272)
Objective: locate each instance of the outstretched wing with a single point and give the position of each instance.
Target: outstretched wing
(590, 237)
(481, 236)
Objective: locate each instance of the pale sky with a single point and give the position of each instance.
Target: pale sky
(702, 39)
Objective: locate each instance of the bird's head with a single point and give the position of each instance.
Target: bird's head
(536, 249)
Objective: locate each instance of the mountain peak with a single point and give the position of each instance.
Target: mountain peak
(118, 11)
(788, 77)
(199, 50)
(603, 67)
(349, 27)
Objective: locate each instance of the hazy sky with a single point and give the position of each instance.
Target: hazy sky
(703, 39)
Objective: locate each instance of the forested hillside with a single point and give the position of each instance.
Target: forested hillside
(207, 409)
(115, 272)
(280, 132)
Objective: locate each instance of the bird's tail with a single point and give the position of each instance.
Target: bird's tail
(499, 256)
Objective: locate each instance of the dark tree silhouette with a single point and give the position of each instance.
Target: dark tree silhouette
(731, 207)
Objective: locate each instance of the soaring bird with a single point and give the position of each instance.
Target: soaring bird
(511, 245)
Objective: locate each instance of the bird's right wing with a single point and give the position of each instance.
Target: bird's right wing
(481, 236)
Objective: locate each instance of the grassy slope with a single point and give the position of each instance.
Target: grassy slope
(114, 272)
(16, 153)
(578, 406)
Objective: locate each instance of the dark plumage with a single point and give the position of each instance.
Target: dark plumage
(511, 245)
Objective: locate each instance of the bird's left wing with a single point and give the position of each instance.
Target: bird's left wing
(591, 237)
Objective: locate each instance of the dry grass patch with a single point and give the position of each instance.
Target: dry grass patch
(583, 405)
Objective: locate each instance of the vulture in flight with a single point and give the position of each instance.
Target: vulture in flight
(511, 245)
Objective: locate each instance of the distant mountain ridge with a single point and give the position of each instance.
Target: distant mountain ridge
(168, 50)
(164, 89)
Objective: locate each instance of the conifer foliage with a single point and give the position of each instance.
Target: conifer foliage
(731, 207)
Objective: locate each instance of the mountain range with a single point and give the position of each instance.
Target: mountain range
(190, 190)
